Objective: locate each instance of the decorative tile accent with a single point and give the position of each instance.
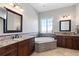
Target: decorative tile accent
(10, 36)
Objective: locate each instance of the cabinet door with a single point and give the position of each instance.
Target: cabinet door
(77, 42)
(63, 41)
(23, 48)
(11, 53)
(69, 42)
(31, 45)
(59, 41)
(10, 50)
(2, 50)
(74, 43)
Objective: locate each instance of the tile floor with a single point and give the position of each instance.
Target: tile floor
(58, 52)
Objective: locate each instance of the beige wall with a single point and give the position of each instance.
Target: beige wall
(61, 12)
(77, 14)
(30, 19)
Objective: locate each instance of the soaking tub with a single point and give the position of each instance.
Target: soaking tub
(45, 43)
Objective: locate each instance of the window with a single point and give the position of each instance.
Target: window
(46, 25)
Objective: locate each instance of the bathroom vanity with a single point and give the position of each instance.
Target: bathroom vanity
(11, 22)
(68, 41)
(17, 47)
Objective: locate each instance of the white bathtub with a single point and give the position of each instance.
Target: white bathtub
(45, 43)
(44, 39)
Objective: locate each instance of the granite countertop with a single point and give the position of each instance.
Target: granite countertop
(67, 34)
(6, 42)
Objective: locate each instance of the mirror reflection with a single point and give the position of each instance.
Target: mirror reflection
(65, 25)
(13, 22)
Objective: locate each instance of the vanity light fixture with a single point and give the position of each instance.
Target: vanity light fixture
(19, 8)
(65, 17)
(15, 6)
(12, 4)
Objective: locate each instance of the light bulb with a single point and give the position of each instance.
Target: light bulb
(12, 4)
(17, 7)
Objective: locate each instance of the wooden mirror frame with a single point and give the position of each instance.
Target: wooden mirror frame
(5, 23)
(65, 21)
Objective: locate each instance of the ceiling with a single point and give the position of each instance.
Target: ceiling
(41, 7)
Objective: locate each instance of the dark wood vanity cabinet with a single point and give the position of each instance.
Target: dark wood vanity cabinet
(71, 42)
(22, 48)
(10, 50)
(26, 47)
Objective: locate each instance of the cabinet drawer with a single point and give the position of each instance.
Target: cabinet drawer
(9, 47)
(2, 50)
(63, 43)
(11, 53)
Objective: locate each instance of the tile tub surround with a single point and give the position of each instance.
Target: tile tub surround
(45, 44)
(41, 47)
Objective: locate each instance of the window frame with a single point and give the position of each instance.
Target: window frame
(46, 19)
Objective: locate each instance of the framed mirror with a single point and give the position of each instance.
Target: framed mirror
(65, 25)
(13, 22)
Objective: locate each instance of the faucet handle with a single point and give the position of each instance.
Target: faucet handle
(12, 37)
